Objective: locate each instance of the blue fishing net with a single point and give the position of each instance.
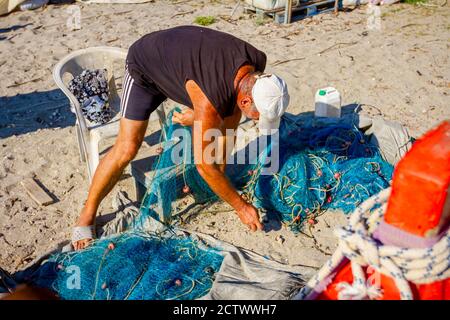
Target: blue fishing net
(137, 264)
(322, 165)
(174, 175)
(131, 266)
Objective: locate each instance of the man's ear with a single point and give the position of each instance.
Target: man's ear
(246, 102)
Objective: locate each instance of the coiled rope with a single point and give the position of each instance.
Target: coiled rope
(403, 265)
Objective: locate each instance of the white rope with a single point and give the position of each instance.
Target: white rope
(403, 265)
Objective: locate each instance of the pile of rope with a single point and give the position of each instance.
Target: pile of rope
(403, 265)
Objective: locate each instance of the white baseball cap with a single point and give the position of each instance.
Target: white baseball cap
(271, 98)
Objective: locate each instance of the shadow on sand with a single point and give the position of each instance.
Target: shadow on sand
(32, 111)
(12, 28)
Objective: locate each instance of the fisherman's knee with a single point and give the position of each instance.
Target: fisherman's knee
(127, 151)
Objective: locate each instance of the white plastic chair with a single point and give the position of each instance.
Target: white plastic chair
(89, 135)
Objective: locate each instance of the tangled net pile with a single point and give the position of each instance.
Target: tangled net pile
(134, 266)
(322, 166)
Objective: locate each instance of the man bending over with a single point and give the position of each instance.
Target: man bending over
(218, 77)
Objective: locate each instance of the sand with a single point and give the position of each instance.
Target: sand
(402, 70)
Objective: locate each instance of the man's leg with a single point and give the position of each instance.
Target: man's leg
(110, 168)
(137, 104)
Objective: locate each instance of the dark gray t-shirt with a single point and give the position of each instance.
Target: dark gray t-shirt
(163, 61)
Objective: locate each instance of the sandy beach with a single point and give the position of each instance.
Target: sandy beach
(403, 70)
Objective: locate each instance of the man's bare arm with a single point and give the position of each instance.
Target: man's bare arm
(206, 118)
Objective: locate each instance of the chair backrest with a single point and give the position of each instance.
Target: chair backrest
(90, 58)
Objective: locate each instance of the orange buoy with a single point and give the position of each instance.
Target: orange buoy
(417, 214)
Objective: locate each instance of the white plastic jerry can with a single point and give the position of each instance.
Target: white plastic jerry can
(328, 103)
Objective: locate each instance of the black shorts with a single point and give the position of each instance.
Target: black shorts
(138, 101)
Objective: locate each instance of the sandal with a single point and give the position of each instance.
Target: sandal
(82, 233)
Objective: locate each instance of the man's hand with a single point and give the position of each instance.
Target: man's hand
(249, 216)
(185, 118)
